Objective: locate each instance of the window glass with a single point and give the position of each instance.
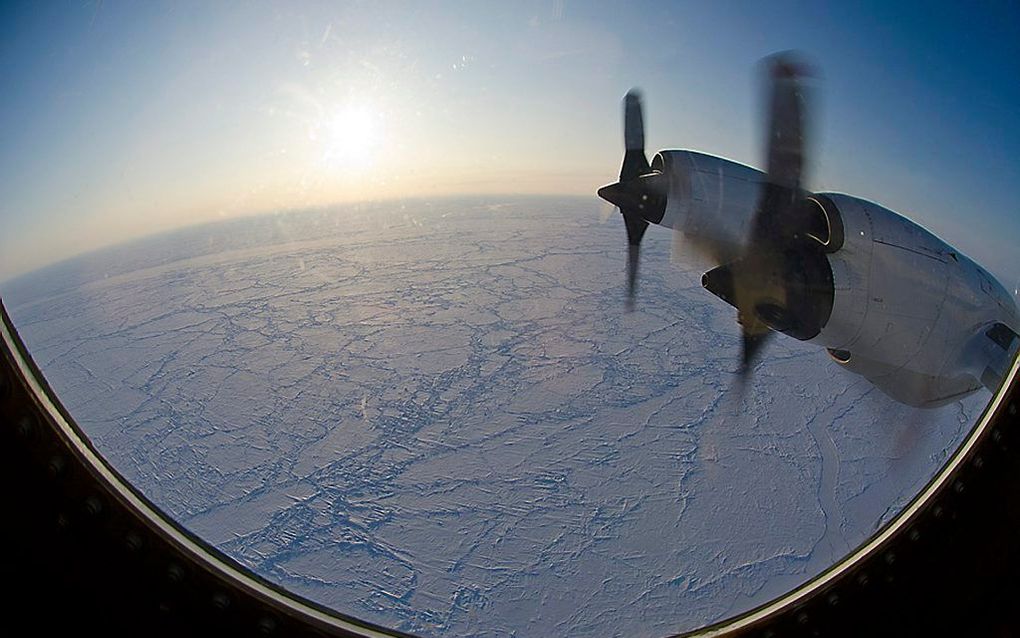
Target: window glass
(332, 287)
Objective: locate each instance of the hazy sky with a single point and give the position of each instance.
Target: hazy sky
(121, 119)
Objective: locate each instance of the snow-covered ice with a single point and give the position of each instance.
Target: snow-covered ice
(438, 417)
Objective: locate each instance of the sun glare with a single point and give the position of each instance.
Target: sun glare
(351, 138)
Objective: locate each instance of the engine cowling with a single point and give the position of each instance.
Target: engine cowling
(711, 199)
(906, 306)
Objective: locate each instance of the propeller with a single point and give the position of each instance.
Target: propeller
(640, 194)
(779, 263)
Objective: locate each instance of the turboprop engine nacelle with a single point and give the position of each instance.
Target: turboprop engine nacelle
(908, 309)
(889, 300)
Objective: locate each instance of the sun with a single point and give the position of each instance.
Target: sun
(351, 137)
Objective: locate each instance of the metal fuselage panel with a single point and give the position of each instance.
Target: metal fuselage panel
(907, 307)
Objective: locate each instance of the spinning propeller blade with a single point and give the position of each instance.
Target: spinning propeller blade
(640, 194)
(760, 277)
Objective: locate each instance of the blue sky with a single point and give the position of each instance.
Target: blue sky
(123, 119)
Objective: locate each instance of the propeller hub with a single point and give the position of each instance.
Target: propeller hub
(643, 196)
